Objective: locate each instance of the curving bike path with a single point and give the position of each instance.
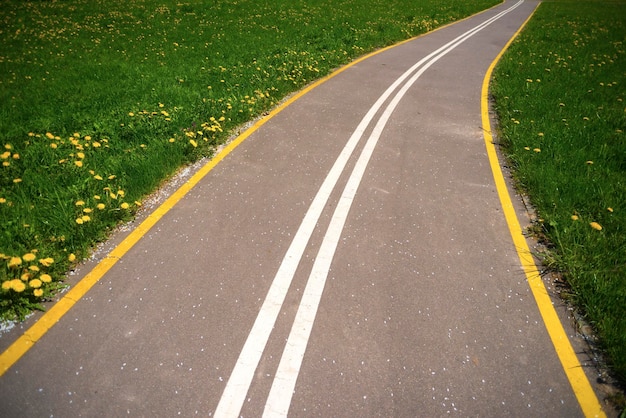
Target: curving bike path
(355, 253)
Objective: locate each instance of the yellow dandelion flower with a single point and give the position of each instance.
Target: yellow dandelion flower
(15, 262)
(596, 226)
(25, 277)
(610, 209)
(46, 278)
(161, 105)
(49, 135)
(6, 285)
(589, 162)
(96, 144)
(28, 257)
(171, 140)
(121, 193)
(35, 283)
(71, 257)
(96, 197)
(194, 143)
(6, 163)
(124, 205)
(48, 261)
(33, 268)
(16, 156)
(137, 203)
(100, 206)
(76, 135)
(97, 177)
(537, 149)
(3, 200)
(53, 145)
(8, 146)
(111, 177)
(17, 181)
(527, 148)
(79, 221)
(18, 285)
(113, 195)
(87, 138)
(86, 218)
(80, 203)
(78, 163)
(38, 293)
(80, 155)
(87, 210)
(131, 114)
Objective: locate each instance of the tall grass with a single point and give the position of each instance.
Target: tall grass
(101, 100)
(559, 94)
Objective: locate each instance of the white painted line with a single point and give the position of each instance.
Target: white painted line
(282, 390)
(239, 382)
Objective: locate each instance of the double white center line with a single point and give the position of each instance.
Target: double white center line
(279, 399)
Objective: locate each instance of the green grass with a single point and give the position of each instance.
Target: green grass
(559, 94)
(101, 100)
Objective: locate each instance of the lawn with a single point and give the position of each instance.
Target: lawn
(102, 100)
(559, 93)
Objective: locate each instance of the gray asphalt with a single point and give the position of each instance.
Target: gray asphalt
(425, 310)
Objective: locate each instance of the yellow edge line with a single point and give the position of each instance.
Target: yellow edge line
(27, 340)
(573, 369)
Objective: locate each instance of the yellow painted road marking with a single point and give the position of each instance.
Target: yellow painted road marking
(27, 340)
(571, 365)
(584, 393)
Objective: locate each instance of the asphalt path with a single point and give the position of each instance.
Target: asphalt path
(349, 255)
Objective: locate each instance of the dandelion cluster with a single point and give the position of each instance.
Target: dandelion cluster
(26, 276)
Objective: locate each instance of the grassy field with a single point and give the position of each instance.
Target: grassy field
(101, 100)
(560, 93)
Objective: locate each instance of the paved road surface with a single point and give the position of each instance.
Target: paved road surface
(349, 258)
